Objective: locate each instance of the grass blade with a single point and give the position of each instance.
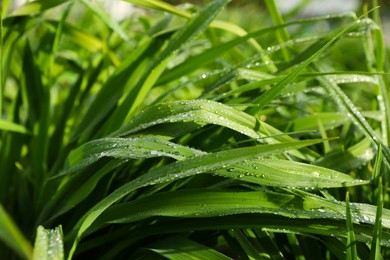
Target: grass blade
(282, 34)
(48, 244)
(375, 252)
(283, 173)
(123, 148)
(12, 236)
(351, 240)
(38, 103)
(201, 112)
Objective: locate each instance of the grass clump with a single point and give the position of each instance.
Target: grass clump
(177, 134)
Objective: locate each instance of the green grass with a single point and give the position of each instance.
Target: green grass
(192, 133)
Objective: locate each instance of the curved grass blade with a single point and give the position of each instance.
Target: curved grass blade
(182, 169)
(199, 111)
(178, 248)
(48, 244)
(12, 236)
(197, 204)
(283, 173)
(124, 148)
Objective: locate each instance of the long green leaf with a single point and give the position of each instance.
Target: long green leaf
(282, 34)
(375, 252)
(12, 236)
(351, 240)
(204, 203)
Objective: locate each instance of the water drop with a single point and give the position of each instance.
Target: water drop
(316, 174)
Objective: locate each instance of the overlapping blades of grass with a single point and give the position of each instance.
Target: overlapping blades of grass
(182, 169)
(304, 60)
(133, 174)
(201, 112)
(134, 98)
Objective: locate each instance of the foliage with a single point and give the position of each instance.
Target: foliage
(177, 133)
